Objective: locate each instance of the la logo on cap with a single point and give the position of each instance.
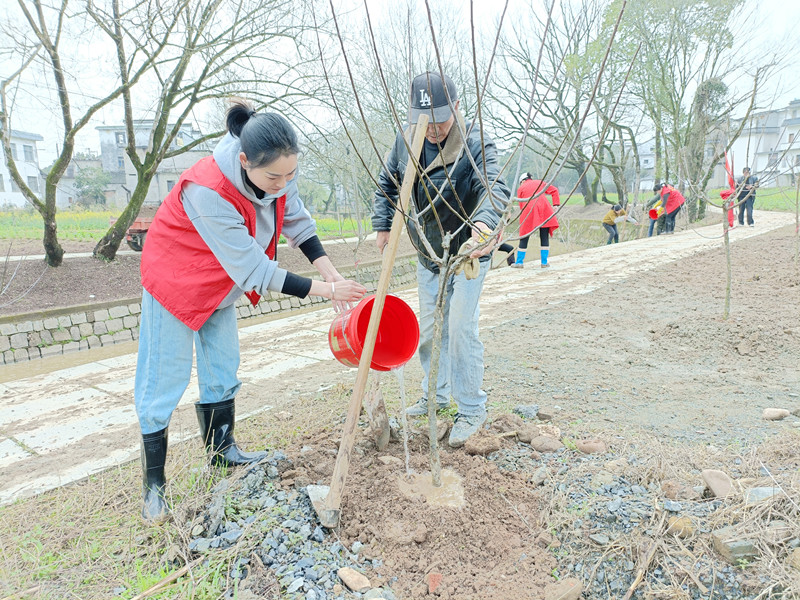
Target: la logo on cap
(424, 99)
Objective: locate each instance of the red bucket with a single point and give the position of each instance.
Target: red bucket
(398, 334)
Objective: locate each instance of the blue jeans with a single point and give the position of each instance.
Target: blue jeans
(461, 356)
(746, 205)
(164, 365)
(652, 226)
(613, 233)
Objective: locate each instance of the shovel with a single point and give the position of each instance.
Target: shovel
(327, 500)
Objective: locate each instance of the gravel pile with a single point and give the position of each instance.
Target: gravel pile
(282, 529)
(610, 516)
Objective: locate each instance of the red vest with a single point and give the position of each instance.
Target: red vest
(536, 212)
(674, 198)
(178, 268)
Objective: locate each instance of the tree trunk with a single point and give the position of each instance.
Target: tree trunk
(618, 176)
(108, 246)
(433, 370)
(53, 250)
(701, 208)
(726, 310)
(583, 185)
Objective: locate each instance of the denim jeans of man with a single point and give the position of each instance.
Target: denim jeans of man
(613, 233)
(747, 206)
(461, 356)
(164, 366)
(651, 227)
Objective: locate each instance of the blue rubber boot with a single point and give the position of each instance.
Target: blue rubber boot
(544, 252)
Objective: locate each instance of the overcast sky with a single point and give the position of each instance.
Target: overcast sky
(777, 20)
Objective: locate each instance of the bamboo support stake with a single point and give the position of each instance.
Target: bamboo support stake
(169, 579)
(330, 513)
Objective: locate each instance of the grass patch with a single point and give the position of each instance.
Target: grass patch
(72, 225)
(87, 540)
(91, 225)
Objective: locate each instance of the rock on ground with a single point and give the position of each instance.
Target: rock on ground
(354, 580)
(591, 446)
(775, 414)
(718, 482)
(482, 444)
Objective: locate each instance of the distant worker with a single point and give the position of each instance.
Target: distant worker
(536, 212)
(612, 218)
(656, 214)
(673, 201)
(746, 184)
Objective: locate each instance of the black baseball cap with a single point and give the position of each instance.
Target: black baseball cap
(428, 97)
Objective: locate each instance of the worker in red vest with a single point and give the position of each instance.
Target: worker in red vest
(536, 212)
(672, 201)
(213, 239)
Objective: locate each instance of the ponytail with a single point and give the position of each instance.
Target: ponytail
(264, 136)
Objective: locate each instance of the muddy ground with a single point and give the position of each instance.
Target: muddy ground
(647, 366)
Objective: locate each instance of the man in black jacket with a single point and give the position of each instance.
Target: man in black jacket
(460, 193)
(746, 185)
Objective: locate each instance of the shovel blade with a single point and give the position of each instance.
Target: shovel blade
(318, 494)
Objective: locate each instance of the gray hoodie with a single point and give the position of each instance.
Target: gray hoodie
(223, 229)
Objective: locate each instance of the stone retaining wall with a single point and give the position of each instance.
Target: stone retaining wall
(37, 335)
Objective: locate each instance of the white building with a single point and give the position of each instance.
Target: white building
(770, 146)
(26, 156)
(67, 193)
(113, 139)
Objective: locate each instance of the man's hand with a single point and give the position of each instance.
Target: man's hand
(480, 233)
(382, 240)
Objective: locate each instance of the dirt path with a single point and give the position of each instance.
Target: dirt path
(627, 333)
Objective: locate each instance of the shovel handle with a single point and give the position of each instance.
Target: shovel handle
(340, 469)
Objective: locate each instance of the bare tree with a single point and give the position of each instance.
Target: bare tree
(548, 51)
(215, 50)
(688, 58)
(445, 259)
(40, 44)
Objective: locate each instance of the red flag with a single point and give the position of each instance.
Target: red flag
(729, 171)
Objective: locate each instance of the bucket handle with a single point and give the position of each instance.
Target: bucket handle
(345, 319)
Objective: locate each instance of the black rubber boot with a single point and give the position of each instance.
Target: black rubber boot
(154, 455)
(512, 256)
(216, 426)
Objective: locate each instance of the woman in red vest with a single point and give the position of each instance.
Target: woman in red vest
(672, 201)
(536, 212)
(213, 239)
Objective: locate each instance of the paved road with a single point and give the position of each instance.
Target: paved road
(77, 419)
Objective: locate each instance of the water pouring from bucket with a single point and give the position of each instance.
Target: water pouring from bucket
(396, 342)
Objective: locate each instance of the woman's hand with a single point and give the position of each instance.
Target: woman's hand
(344, 292)
(340, 290)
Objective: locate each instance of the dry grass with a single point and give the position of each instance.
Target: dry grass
(770, 524)
(85, 540)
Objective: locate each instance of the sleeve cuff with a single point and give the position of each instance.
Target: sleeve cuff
(312, 249)
(294, 285)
